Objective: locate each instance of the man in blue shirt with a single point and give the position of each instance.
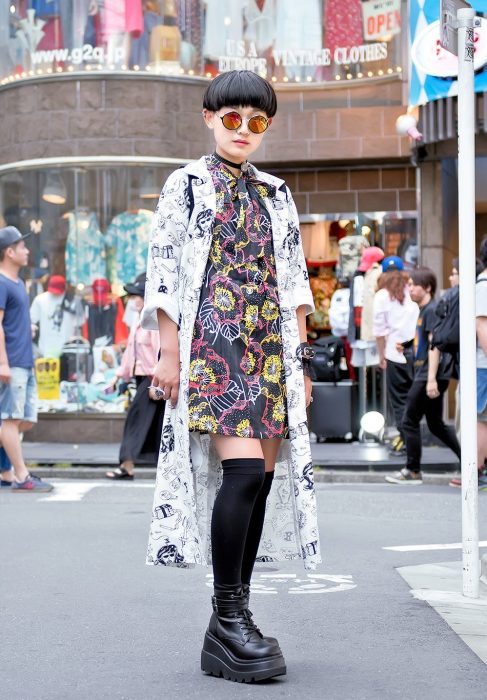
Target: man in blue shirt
(18, 392)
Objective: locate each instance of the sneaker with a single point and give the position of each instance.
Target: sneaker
(4, 484)
(457, 480)
(405, 476)
(397, 448)
(32, 483)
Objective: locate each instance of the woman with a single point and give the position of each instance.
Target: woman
(142, 429)
(395, 317)
(228, 290)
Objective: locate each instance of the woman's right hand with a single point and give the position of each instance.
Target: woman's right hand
(166, 374)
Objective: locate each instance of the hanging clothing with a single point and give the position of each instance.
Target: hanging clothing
(298, 27)
(58, 319)
(127, 242)
(104, 323)
(350, 253)
(189, 470)
(216, 32)
(85, 249)
(342, 23)
(260, 20)
(237, 384)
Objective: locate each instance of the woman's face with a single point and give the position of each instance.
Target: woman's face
(238, 144)
(454, 277)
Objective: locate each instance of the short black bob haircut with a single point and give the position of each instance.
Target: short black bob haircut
(240, 88)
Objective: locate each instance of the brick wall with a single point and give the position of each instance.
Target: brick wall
(147, 116)
(378, 188)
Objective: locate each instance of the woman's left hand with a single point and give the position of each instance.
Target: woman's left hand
(307, 389)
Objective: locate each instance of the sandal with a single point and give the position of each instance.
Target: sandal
(119, 473)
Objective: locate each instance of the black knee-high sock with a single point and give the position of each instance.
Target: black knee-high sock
(255, 529)
(242, 481)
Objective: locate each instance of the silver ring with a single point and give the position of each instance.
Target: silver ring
(311, 399)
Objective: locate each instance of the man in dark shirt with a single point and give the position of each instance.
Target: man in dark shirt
(425, 398)
(18, 394)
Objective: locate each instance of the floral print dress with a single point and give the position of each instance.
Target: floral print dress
(237, 380)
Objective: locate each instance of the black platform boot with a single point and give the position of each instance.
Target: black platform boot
(246, 595)
(233, 648)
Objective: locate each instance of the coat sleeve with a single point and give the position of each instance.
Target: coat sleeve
(302, 294)
(169, 226)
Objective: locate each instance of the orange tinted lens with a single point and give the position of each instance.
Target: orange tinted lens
(258, 124)
(231, 120)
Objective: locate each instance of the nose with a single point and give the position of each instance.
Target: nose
(244, 126)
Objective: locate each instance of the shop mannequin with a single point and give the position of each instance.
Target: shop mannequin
(350, 253)
(362, 292)
(55, 316)
(104, 316)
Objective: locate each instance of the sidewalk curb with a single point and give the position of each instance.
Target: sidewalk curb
(321, 475)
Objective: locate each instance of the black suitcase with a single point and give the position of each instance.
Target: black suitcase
(333, 412)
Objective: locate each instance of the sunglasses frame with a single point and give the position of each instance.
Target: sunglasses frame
(247, 119)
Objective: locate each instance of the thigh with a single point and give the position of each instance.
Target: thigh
(270, 448)
(230, 447)
(415, 402)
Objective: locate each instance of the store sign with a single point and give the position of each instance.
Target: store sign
(382, 18)
(434, 70)
(243, 56)
(430, 57)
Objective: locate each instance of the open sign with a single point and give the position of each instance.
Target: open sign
(381, 18)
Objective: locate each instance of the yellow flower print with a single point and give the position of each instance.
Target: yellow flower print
(243, 429)
(279, 412)
(251, 317)
(216, 253)
(200, 373)
(269, 310)
(224, 299)
(207, 424)
(248, 363)
(272, 369)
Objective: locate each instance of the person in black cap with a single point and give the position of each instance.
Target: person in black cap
(142, 429)
(18, 391)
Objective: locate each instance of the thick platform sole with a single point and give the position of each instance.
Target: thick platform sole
(218, 661)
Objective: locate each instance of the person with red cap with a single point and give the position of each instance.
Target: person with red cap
(363, 288)
(55, 316)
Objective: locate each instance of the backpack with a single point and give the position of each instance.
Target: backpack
(446, 333)
(325, 365)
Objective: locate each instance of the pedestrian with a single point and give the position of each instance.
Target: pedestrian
(143, 424)
(481, 323)
(226, 269)
(425, 397)
(18, 393)
(395, 317)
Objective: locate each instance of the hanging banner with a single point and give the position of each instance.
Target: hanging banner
(433, 70)
(382, 18)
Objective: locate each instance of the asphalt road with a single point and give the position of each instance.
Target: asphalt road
(83, 617)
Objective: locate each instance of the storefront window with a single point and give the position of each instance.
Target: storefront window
(332, 248)
(90, 230)
(284, 40)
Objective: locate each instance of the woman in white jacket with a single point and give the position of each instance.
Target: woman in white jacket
(395, 316)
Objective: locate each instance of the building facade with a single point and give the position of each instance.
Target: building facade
(99, 105)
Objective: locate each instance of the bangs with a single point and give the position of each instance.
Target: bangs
(240, 88)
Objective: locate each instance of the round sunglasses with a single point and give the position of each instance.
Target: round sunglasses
(233, 120)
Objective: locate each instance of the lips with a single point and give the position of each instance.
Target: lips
(241, 141)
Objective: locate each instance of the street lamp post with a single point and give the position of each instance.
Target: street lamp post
(457, 36)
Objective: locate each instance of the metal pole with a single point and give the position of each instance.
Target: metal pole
(466, 244)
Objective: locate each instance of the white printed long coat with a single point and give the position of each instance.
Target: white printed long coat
(188, 471)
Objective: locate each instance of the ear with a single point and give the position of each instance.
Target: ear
(270, 120)
(209, 118)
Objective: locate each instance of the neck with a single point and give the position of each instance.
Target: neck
(425, 301)
(9, 270)
(236, 168)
